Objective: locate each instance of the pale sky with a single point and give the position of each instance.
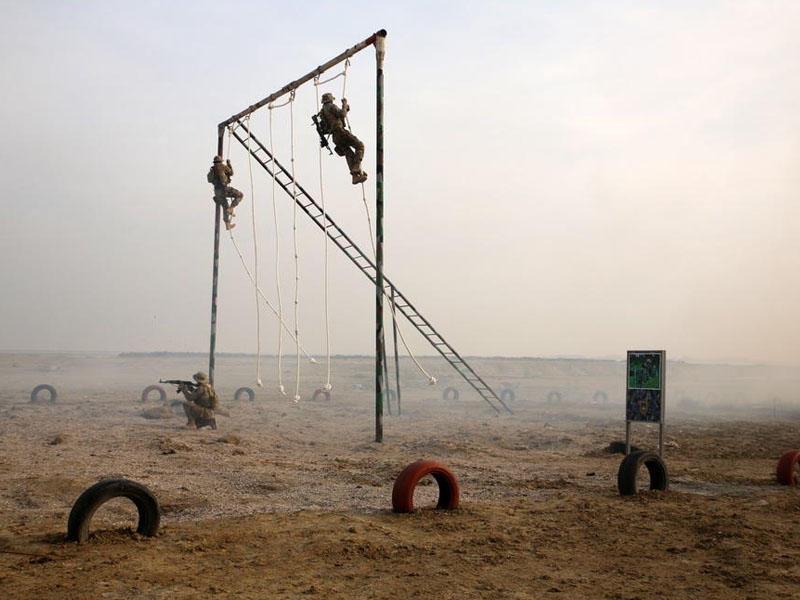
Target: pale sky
(562, 178)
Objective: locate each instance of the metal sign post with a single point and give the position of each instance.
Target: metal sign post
(645, 392)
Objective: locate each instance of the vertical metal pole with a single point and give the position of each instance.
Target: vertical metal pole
(386, 387)
(663, 403)
(396, 357)
(627, 437)
(380, 351)
(215, 273)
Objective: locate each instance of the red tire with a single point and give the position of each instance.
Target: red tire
(406, 482)
(786, 467)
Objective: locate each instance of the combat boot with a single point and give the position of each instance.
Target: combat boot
(229, 225)
(359, 177)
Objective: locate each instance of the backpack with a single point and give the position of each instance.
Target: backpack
(211, 177)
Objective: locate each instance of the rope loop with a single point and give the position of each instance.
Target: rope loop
(342, 73)
(272, 105)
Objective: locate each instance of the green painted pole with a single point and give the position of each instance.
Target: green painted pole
(215, 272)
(380, 347)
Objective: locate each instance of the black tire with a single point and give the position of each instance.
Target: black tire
(450, 393)
(321, 392)
(41, 388)
(554, 397)
(507, 395)
(629, 469)
(89, 501)
(162, 393)
(251, 395)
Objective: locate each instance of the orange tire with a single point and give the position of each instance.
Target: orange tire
(406, 483)
(786, 467)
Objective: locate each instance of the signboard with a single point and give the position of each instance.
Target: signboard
(644, 398)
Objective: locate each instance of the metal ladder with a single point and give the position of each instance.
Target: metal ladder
(400, 303)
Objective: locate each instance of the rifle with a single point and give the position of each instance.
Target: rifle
(323, 141)
(191, 385)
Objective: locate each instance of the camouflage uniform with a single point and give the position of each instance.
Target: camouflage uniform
(200, 402)
(220, 175)
(344, 142)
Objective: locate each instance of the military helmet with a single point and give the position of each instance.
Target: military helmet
(200, 376)
(217, 159)
(327, 97)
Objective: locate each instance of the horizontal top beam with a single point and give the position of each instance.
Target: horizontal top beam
(297, 83)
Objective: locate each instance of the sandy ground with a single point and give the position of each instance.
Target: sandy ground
(293, 500)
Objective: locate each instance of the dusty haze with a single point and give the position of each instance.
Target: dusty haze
(561, 180)
(293, 500)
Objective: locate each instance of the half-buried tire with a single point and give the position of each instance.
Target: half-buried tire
(629, 469)
(162, 393)
(245, 391)
(554, 397)
(450, 393)
(321, 392)
(43, 388)
(89, 501)
(787, 465)
(406, 482)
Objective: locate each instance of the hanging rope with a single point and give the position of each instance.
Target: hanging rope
(283, 323)
(431, 379)
(326, 308)
(255, 255)
(328, 385)
(277, 263)
(317, 82)
(296, 258)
